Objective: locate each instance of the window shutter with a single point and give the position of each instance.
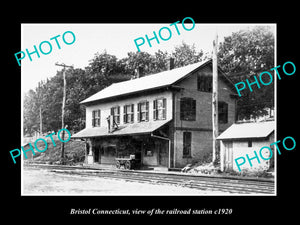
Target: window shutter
(132, 112)
(202, 83)
(112, 113)
(223, 112)
(188, 109)
(147, 111)
(187, 141)
(193, 109)
(199, 82)
(118, 117)
(226, 113)
(99, 117)
(93, 118)
(155, 109)
(181, 109)
(139, 112)
(124, 114)
(165, 108)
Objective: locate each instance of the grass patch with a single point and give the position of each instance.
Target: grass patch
(74, 151)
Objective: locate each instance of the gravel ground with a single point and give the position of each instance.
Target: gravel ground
(44, 182)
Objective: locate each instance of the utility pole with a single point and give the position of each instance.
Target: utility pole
(63, 110)
(215, 99)
(40, 102)
(41, 122)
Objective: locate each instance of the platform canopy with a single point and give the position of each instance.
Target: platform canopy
(130, 129)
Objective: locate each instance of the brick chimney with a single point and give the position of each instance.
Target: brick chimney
(138, 72)
(171, 63)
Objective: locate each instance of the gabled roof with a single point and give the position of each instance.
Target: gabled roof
(248, 130)
(148, 82)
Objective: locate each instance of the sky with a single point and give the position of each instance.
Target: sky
(115, 39)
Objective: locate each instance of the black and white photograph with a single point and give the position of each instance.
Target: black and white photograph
(134, 118)
(149, 109)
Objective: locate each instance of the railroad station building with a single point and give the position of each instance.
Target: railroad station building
(165, 119)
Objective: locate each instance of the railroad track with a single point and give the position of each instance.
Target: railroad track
(230, 185)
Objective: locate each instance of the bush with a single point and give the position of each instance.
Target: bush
(74, 152)
(251, 173)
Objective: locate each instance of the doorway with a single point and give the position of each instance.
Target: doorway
(228, 155)
(97, 155)
(162, 153)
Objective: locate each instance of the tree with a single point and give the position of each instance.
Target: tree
(103, 70)
(33, 103)
(245, 54)
(76, 92)
(52, 99)
(160, 61)
(30, 112)
(142, 60)
(185, 54)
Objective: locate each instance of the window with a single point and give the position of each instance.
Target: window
(159, 109)
(143, 111)
(204, 83)
(249, 144)
(223, 112)
(128, 115)
(187, 143)
(115, 112)
(96, 118)
(188, 109)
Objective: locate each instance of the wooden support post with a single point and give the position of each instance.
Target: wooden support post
(215, 99)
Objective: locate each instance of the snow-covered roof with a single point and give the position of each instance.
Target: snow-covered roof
(157, 80)
(248, 130)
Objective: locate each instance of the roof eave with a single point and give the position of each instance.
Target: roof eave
(127, 95)
(245, 138)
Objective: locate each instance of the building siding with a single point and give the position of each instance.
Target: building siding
(201, 128)
(203, 102)
(105, 108)
(200, 149)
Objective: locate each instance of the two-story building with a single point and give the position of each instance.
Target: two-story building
(165, 119)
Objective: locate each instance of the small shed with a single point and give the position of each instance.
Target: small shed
(245, 138)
